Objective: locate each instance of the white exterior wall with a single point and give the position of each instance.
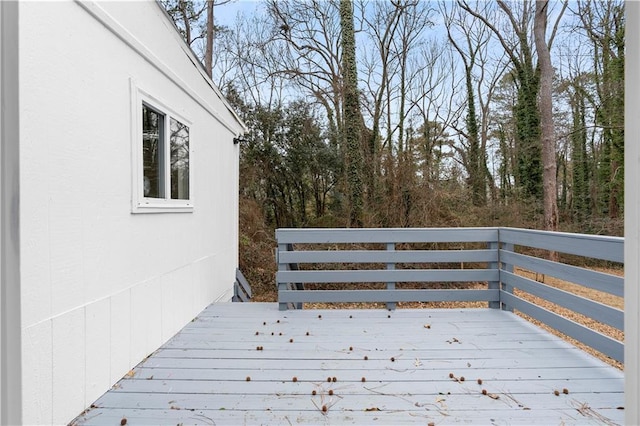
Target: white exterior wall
(632, 216)
(102, 287)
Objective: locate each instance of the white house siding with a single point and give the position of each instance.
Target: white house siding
(102, 287)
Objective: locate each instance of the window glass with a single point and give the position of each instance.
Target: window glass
(179, 160)
(153, 152)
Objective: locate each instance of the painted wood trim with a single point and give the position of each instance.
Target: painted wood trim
(382, 256)
(494, 245)
(589, 337)
(10, 286)
(597, 311)
(381, 275)
(391, 285)
(348, 296)
(585, 277)
(632, 214)
(506, 247)
(95, 10)
(594, 246)
(386, 235)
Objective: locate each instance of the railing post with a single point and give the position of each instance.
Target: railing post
(294, 286)
(494, 245)
(391, 285)
(508, 268)
(282, 267)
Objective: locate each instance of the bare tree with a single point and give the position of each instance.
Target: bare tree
(208, 53)
(546, 117)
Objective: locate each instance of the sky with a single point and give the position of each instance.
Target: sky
(226, 13)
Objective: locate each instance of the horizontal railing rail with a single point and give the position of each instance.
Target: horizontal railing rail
(511, 262)
(515, 285)
(391, 266)
(241, 288)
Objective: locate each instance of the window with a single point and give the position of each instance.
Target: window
(162, 180)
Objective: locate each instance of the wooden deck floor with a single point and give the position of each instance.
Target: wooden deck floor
(389, 368)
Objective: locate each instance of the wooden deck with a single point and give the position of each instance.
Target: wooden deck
(389, 368)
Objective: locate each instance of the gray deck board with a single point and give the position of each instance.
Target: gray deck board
(200, 375)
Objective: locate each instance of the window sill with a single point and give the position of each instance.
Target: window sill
(162, 207)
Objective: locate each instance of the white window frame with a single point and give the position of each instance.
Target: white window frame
(140, 203)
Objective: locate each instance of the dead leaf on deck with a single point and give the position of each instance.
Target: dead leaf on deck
(131, 373)
(372, 409)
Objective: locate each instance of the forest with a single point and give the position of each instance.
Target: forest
(416, 113)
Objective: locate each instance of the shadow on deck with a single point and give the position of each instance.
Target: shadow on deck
(251, 363)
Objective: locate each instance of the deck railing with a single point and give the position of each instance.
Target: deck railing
(309, 260)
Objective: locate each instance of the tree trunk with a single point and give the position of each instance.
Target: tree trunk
(546, 118)
(182, 6)
(208, 54)
(352, 118)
